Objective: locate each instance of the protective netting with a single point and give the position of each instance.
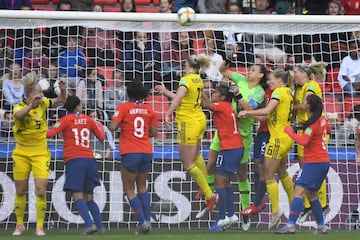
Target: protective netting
(112, 52)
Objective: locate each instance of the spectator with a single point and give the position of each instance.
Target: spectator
(6, 125)
(50, 83)
(349, 72)
(23, 40)
(90, 90)
(116, 94)
(173, 62)
(5, 55)
(334, 8)
(261, 7)
(351, 7)
(13, 88)
(318, 7)
(233, 8)
(99, 44)
(128, 6)
(282, 7)
(216, 60)
(165, 37)
(101, 149)
(185, 3)
(36, 61)
(166, 6)
(72, 62)
(212, 6)
(141, 59)
(14, 4)
(82, 5)
(57, 37)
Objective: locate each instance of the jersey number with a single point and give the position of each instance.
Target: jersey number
(199, 93)
(139, 126)
(82, 138)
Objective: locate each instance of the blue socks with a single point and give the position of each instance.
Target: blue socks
(146, 205)
(84, 212)
(260, 191)
(296, 207)
(222, 203)
(95, 212)
(135, 204)
(230, 201)
(317, 211)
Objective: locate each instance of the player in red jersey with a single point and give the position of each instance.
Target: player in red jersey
(138, 124)
(81, 176)
(316, 165)
(231, 152)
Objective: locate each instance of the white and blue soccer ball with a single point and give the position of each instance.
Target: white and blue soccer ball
(186, 16)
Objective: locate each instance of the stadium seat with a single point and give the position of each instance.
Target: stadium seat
(331, 105)
(45, 2)
(56, 2)
(199, 45)
(44, 8)
(160, 105)
(348, 105)
(112, 9)
(143, 2)
(107, 72)
(325, 87)
(332, 109)
(105, 2)
(147, 10)
(156, 2)
(332, 80)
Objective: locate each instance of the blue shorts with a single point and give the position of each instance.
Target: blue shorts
(312, 175)
(228, 161)
(137, 162)
(81, 175)
(261, 139)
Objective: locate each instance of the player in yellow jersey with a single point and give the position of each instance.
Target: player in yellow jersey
(31, 153)
(279, 115)
(307, 77)
(191, 122)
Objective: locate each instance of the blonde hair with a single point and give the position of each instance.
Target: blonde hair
(31, 83)
(198, 62)
(319, 71)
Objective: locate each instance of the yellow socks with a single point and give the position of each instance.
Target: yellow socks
(200, 163)
(200, 179)
(288, 187)
(40, 210)
(273, 193)
(322, 194)
(20, 204)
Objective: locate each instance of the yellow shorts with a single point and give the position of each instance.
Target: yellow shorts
(277, 148)
(190, 132)
(30, 159)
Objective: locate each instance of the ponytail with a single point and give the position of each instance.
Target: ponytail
(316, 107)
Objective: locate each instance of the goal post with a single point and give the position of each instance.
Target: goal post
(108, 43)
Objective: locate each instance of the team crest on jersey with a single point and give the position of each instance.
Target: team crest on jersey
(308, 131)
(183, 82)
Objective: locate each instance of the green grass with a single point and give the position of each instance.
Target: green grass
(185, 234)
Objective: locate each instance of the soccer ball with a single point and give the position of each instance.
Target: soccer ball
(186, 16)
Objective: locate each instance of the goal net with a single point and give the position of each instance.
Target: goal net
(98, 53)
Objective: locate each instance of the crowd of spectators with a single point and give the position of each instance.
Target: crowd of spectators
(74, 53)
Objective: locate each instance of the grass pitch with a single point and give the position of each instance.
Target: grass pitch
(184, 234)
